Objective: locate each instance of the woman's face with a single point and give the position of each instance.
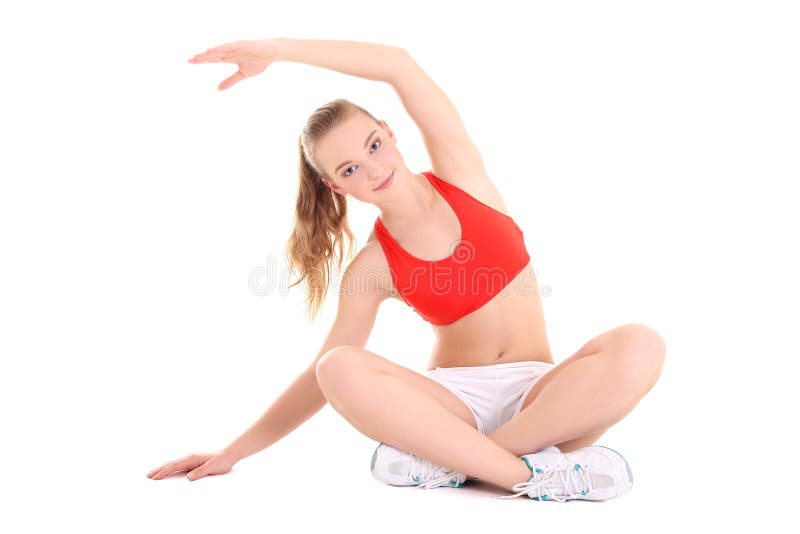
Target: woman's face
(359, 155)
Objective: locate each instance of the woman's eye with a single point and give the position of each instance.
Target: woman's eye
(373, 144)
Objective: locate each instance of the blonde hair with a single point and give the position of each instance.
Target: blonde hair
(320, 221)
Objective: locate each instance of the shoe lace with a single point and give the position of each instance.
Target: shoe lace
(433, 475)
(554, 483)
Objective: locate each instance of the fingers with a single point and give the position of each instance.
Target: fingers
(161, 472)
(201, 471)
(170, 467)
(197, 473)
(154, 471)
(222, 49)
(203, 58)
(215, 55)
(227, 82)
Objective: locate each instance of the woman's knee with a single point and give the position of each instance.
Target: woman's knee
(338, 362)
(643, 351)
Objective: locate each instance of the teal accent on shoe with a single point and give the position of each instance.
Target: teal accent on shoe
(583, 492)
(628, 467)
(527, 463)
(416, 479)
(539, 470)
(577, 467)
(535, 498)
(452, 482)
(544, 497)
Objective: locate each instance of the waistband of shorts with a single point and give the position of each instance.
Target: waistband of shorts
(528, 363)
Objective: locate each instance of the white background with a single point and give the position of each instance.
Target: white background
(647, 150)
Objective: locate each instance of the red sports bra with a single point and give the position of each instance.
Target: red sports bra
(489, 256)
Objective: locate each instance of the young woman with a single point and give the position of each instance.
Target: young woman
(492, 406)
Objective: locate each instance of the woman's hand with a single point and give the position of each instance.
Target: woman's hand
(198, 465)
(252, 57)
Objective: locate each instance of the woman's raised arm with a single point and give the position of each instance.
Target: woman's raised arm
(453, 154)
(372, 61)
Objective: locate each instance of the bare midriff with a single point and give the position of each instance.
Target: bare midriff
(508, 328)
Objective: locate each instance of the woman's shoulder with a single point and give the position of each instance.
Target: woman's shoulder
(475, 183)
(372, 268)
(371, 254)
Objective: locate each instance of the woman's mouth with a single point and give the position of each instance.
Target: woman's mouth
(385, 183)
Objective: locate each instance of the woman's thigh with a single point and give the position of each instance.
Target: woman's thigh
(340, 361)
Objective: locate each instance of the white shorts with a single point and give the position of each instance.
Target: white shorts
(493, 393)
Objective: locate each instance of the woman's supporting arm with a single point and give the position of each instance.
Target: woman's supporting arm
(372, 61)
(359, 300)
(297, 404)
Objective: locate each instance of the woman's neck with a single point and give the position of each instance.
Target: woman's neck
(413, 200)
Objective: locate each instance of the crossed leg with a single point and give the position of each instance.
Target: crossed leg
(579, 399)
(571, 406)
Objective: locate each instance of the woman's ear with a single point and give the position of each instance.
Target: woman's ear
(388, 130)
(333, 186)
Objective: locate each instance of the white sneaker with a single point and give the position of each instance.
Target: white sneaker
(594, 473)
(401, 468)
